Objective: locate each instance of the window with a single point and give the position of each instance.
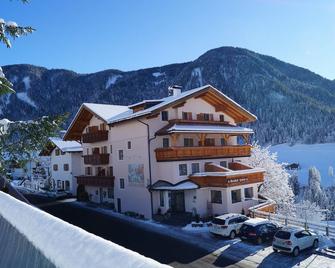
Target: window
(166, 142)
(59, 184)
(195, 168)
(223, 142)
(111, 171)
(62, 153)
(111, 148)
(96, 150)
(57, 152)
(102, 126)
(55, 167)
(110, 193)
(209, 142)
(216, 197)
(187, 116)
(67, 185)
(208, 117)
(88, 171)
(66, 167)
(248, 192)
(221, 117)
(104, 150)
(120, 154)
(121, 183)
(161, 198)
(182, 169)
(236, 196)
(223, 164)
(165, 116)
(129, 145)
(188, 142)
(87, 151)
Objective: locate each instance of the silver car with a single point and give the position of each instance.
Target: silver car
(294, 239)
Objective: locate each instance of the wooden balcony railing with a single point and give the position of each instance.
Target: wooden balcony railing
(101, 181)
(96, 159)
(100, 135)
(202, 152)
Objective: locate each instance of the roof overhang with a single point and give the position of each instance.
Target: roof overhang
(180, 186)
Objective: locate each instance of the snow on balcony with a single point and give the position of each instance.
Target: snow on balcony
(51, 242)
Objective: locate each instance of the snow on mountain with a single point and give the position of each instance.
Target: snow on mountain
(322, 156)
(26, 81)
(112, 80)
(23, 96)
(157, 74)
(198, 75)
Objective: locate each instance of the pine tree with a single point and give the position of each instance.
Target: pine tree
(10, 30)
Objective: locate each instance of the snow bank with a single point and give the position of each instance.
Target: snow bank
(23, 96)
(66, 245)
(322, 156)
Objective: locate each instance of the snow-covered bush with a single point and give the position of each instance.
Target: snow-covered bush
(309, 211)
(276, 183)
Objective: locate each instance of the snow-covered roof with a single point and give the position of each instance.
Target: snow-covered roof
(105, 111)
(64, 244)
(256, 221)
(186, 185)
(66, 146)
(227, 216)
(208, 129)
(169, 100)
(229, 173)
(144, 102)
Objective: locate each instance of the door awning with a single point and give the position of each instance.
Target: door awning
(167, 186)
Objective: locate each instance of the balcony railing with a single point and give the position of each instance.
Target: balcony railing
(101, 181)
(202, 152)
(96, 159)
(100, 135)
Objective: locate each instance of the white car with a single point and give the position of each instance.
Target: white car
(227, 225)
(294, 239)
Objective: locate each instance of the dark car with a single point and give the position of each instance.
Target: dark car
(258, 230)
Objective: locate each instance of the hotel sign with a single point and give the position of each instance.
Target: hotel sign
(237, 180)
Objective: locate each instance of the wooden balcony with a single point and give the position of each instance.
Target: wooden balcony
(96, 159)
(201, 152)
(100, 181)
(91, 137)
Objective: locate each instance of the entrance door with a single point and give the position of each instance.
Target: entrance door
(119, 205)
(177, 201)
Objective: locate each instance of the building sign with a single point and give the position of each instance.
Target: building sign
(238, 180)
(136, 174)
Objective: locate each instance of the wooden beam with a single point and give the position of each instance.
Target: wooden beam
(179, 105)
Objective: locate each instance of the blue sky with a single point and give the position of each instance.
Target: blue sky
(92, 35)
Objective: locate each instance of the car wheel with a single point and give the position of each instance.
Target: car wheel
(259, 240)
(275, 250)
(315, 243)
(296, 251)
(232, 235)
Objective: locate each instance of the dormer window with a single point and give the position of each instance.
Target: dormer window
(165, 116)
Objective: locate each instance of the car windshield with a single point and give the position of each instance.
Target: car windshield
(247, 228)
(283, 235)
(219, 221)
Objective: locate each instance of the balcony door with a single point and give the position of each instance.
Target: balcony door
(177, 201)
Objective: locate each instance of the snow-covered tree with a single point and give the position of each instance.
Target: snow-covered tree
(313, 192)
(331, 171)
(309, 211)
(10, 30)
(276, 183)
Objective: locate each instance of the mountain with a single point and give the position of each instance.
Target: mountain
(292, 104)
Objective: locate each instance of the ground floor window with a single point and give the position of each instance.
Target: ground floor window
(121, 183)
(110, 193)
(161, 199)
(67, 185)
(182, 169)
(248, 192)
(216, 197)
(59, 184)
(236, 196)
(195, 168)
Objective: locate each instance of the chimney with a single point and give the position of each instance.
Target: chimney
(174, 90)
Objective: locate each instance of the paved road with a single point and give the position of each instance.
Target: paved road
(162, 248)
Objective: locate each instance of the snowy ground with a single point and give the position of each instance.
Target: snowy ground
(240, 253)
(320, 155)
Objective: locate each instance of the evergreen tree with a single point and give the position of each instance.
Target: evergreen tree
(10, 30)
(294, 183)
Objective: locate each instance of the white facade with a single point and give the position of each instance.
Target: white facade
(131, 146)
